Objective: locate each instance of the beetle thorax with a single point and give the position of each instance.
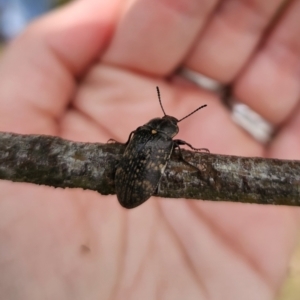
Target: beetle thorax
(166, 125)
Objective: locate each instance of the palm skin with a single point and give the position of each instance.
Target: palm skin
(70, 75)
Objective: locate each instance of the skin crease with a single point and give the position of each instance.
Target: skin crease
(88, 72)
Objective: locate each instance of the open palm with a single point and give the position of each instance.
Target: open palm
(88, 73)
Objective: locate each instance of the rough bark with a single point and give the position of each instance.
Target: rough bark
(48, 160)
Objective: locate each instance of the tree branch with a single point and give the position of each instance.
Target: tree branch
(48, 160)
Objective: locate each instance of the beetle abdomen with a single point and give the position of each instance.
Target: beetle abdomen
(141, 167)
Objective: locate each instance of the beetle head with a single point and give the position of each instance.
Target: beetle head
(166, 124)
(174, 119)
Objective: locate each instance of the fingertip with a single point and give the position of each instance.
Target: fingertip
(78, 32)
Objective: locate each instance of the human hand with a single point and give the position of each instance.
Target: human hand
(88, 72)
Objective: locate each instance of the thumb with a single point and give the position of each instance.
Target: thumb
(38, 69)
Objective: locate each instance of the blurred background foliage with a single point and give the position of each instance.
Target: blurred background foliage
(14, 17)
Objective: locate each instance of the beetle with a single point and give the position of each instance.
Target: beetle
(148, 150)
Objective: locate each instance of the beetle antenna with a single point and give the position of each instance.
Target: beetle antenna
(158, 94)
(192, 112)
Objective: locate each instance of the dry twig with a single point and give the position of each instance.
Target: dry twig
(52, 161)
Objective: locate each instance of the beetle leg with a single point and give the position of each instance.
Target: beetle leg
(181, 142)
(112, 141)
(180, 152)
(181, 155)
(129, 138)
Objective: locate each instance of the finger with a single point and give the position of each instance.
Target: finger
(270, 84)
(231, 37)
(154, 35)
(38, 70)
(132, 100)
(286, 144)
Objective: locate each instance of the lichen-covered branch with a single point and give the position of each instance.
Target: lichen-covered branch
(52, 161)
